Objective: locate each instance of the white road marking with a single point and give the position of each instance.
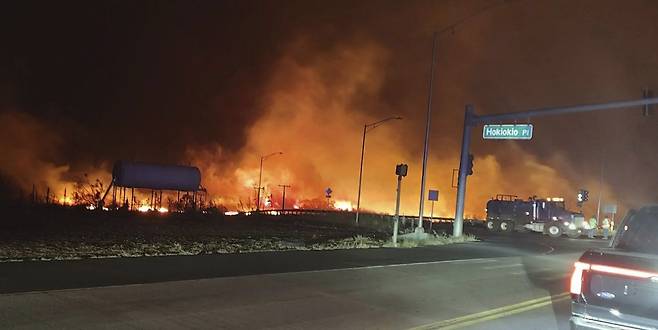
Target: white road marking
(502, 266)
(474, 260)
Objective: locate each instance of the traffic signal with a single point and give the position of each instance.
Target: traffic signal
(469, 168)
(401, 169)
(583, 196)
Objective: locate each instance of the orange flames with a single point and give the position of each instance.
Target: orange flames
(313, 116)
(343, 205)
(315, 111)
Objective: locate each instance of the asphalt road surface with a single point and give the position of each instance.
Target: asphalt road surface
(504, 282)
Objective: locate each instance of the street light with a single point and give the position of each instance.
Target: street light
(366, 128)
(428, 122)
(260, 175)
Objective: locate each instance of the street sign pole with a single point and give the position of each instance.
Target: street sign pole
(328, 196)
(431, 217)
(433, 196)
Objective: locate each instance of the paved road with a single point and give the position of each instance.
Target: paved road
(482, 286)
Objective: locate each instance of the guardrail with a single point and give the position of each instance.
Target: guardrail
(404, 218)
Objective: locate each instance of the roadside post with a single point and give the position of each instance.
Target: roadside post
(327, 195)
(433, 196)
(283, 198)
(612, 210)
(400, 171)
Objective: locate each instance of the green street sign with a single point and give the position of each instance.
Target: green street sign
(507, 132)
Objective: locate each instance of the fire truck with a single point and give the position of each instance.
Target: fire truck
(508, 213)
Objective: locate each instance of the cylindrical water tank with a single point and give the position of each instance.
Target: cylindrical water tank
(156, 176)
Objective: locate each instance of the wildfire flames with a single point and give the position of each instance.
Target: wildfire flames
(313, 113)
(343, 205)
(144, 208)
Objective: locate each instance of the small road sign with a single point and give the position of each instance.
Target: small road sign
(610, 208)
(433, 195)
(328, 192)
(507, 132)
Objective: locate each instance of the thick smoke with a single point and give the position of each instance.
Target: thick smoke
(27, 148)
(217, 85)
(310, 117)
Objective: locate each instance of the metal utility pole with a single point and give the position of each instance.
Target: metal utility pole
(450, 28)
(283, 199)
(598, 205)
(260, 176)
(366, 129)
(471, 120)
(428, 125)
(358, 195)
(256, 190)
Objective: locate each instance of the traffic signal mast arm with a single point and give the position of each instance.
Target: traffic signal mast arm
(471, 120)
(496, 118)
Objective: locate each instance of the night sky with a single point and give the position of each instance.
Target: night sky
(215, 84)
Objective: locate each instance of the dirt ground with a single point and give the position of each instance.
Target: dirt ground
(56, 233)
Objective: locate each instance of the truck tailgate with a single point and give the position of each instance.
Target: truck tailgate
(620, 286)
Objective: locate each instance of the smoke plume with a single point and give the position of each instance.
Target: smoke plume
(220, 84)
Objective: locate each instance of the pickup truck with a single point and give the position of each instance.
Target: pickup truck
(617, 287)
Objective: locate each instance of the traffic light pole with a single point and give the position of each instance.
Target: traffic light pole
(396, 222)
(471, 120)
(458, 224)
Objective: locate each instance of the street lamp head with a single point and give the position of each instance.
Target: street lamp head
(377, 123)
(272, 154)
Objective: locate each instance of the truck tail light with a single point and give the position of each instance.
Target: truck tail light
(577, 277)
(580, 267)
(623, 271)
